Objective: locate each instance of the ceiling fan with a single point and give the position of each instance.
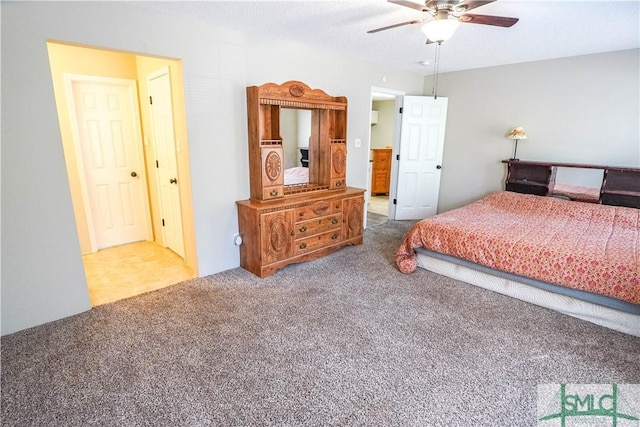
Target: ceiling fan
(445, 16)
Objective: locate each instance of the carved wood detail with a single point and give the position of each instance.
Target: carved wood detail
(273, 166)
(287, 89)
(321, 208)
(354, 211)
(296, 90)
(339, 162)
(277, 236)
(277, 229)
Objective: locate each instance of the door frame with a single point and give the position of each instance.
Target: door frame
(69, 80)
(397, 120)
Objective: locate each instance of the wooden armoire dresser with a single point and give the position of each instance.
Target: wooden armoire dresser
(282, 222)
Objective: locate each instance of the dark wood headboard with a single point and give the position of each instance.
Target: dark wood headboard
(620, 184)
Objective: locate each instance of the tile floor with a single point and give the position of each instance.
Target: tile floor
(378, 205)
(377, 210)
(129, 270)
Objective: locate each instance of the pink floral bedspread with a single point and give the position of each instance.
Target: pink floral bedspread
(592, 247)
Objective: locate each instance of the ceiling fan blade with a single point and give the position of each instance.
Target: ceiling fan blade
(415, 21)
(473, 4)
(412, 5)
(498, 21)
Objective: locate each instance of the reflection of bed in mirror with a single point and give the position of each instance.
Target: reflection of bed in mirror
(295, 130)
(296, 175)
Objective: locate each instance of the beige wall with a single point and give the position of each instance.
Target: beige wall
(382, 134)
(581, 109)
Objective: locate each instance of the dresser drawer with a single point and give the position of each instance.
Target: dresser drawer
(320, 208)
(318, 225)
(338, 183)
(309, 244)
(274, 192)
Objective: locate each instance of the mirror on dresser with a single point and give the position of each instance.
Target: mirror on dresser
(283, 119)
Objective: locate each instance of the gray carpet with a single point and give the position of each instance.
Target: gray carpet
(375, 219)
(342, 341)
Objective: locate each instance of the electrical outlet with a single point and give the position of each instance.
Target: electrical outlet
(358, 143)
(237, 239)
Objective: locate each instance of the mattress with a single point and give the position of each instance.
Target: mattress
(589, 247)
(608, 312)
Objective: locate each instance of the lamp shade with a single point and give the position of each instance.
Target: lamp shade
(516, 133)
(440, 30)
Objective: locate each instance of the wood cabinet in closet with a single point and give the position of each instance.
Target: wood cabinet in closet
(380, 171)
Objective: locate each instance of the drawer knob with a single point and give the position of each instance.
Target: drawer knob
(303, 245)
(303, 229)
(334, 221)
(334, 237)
(273, 193)
(338, 184)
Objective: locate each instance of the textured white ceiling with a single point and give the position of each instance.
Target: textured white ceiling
(546, 30)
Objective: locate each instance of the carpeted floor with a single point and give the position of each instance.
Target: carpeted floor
(346, 340)
(374, 219)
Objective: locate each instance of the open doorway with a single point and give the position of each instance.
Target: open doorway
(412, 130)
(111, 164)
(383, 138)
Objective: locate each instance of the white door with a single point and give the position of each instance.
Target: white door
(107, 132)
(421, 145)
(164, 142)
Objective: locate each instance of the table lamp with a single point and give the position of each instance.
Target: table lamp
(516, 134)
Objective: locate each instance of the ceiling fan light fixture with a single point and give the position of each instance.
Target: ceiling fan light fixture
(440, 30)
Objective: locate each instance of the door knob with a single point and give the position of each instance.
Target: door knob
(133, 174)
(173, 181)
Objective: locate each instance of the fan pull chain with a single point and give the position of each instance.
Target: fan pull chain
(436, 68)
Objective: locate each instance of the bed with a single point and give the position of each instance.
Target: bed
(296, 175)
(582, 259)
